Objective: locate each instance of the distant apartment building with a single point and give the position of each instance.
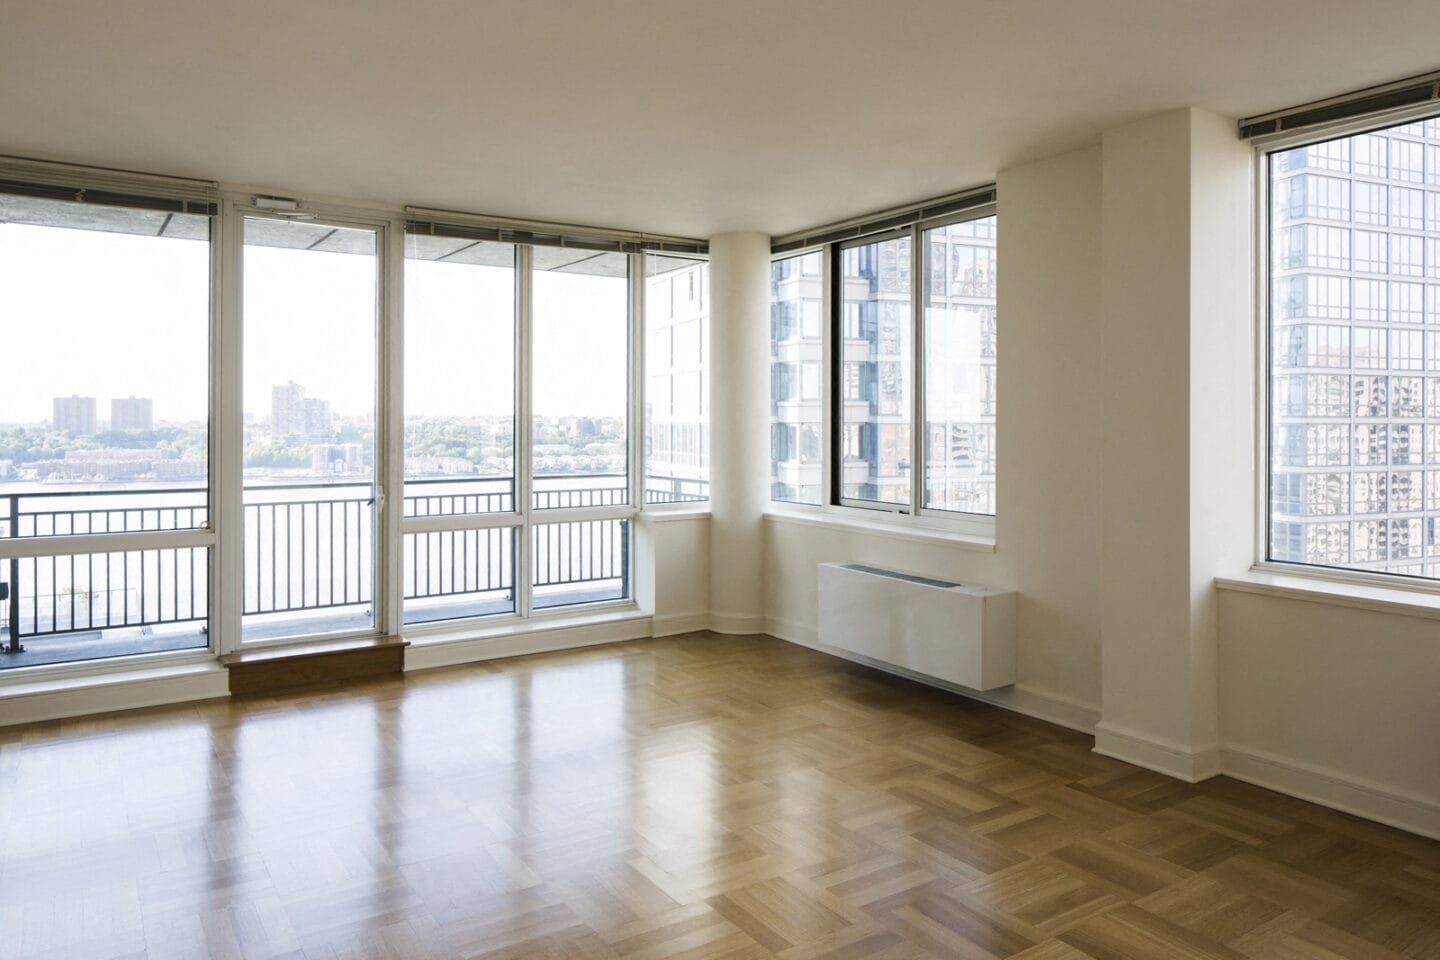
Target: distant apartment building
(132, 413)
(1355, 399)
(74, 415)
(677, 423)
(293, 415)
(337, 458)
(876, 377)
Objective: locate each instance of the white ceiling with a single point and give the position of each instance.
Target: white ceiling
(682, 116)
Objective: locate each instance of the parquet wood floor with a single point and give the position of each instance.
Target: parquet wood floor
(701, 797)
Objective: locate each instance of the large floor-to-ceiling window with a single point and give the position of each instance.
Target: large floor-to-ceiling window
(460, 512)
(310, 326)
(253, 419)
(104, 425)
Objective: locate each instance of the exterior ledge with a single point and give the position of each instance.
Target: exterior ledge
(1336, 593)
(912, 530)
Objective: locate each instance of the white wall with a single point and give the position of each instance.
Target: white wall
(739, 436)
(680, 579)
(1336, 704)
(1177, 466)
(1048, 540)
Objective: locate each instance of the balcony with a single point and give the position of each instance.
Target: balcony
(308, 561)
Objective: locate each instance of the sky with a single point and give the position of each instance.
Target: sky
(114, 315)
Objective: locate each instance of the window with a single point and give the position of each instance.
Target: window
(959, 345)
(677, 415)
(1354, 410)
(310, 323)
(876, 356)
(910, 357)
(796, 364)
(104, 434)
(459, 427)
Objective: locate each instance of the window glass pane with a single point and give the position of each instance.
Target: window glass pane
(1355, 402)
(677, 315)
(796, 361)
(309, 409)
(582, 562)
(90, 606)
(459, 376)
(105, 403)
(876, 351)
(960, 367)
(104, 425)
(452, 574)
(580, 364)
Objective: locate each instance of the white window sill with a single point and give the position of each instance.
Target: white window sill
(1395, 600)
(894, 526)
(663, 514)
(509, 625)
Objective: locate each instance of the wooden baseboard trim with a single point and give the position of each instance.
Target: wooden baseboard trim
(323, 663)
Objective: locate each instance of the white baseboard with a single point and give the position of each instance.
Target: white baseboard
(533, 637)
(1330, 788)
(1158, 754)
(1040, 704)
(674, 623)
(106, 693)
(734, 624)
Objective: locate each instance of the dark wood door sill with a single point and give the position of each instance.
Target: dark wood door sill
(314, 664)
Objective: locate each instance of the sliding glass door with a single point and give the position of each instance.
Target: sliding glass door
(309, 418)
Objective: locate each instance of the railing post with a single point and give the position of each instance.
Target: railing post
(625, 557)
(14, 612)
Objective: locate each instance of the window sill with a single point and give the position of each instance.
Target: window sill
(664, 514)
(900, 528)
(1335, 593)
(508, 625)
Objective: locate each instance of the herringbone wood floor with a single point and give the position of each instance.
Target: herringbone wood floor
(698, 797)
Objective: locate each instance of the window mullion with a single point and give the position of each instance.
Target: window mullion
(390, 427)
(524, 285)
(227, 431)
(917, 367)
(635, 382)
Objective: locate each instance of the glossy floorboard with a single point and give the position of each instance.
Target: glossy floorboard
(697, 797)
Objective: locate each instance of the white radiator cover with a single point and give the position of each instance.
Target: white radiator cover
(960, 633)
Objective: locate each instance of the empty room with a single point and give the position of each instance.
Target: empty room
(724, 481)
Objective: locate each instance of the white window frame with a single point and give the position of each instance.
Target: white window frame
(523, 520)
(1263, 147)
(913, 516)
(206, 537)
(641, 386)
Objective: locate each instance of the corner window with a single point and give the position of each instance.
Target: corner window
(677, 367)
(1354, 358)
(797, 347)
(910, 358)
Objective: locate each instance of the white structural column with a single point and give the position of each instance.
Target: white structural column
(739, 431)
(1177, 489)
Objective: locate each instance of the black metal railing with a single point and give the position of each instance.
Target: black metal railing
(453, 563)
(72, 593)
(308, 552)
(450, 497)
(306, 547)
(580, 552)
(660, 489)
